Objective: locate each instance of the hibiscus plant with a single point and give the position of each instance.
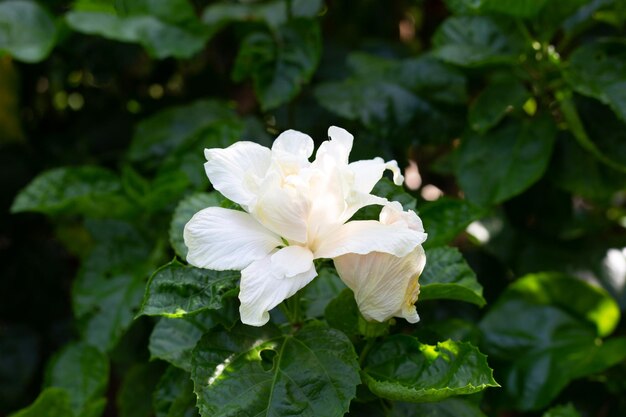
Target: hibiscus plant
(275, 208)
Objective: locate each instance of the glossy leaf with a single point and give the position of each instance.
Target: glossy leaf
(111, 282)
(87, 190)
(273, 13)
(473, 41)
(176, 290)
(450, 407)
(445, 218)
(279, 63)
(170, 129)
(448, 276)
(597, 70)
(316, 295)
(185, 210)
(342, 313)
(258, 371)
(165, 29)
(504, 162)
(547, 327)
(83, 371)
(173, 340)
(51, 402)
(494, 102)
(401, 368)
(174, 395)
(27, 31)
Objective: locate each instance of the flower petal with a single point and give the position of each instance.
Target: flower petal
(295, 143)
(393, 213)
(264, 286)
(221, 239)
(337, 148)
(292, 260)
(235, 171)
(365, 236)
(368, 172)
(384, 285)
(283, 207)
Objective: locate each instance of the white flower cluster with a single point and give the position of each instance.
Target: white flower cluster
(297, 211)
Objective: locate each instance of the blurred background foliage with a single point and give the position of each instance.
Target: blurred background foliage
(509, 116)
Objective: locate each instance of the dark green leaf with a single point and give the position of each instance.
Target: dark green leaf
(134, 398)
(445, 218)
(27, 31)
(473, 41)
(258, 371)
(164, 132)
(403, 369)
(174, 339)
(111, 282)
(433, 80)
(280, 63)
(494, 102)
(597, 70)
(342, 313)
(448, 276)
(87, 190)
(516, 8)
(52, 402)
(504, 162)
(451, 407)
(547, 327)
(185, 210)
(174, 395)
(273, 13)
(316, 295)
(176, 290)
(83, 371)
(165, 29)
(562, 411)
(18, 362)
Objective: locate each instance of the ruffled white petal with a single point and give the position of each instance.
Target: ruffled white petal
(221, 239)
(283, 207)
(337, 148)
(362, 237)
(384, 285)
(263, 287)
(292, 260)
(393, 213)
(237, 170)
(368, 172)
(294, 143)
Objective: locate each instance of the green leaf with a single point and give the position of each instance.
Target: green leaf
(18, 363)
(52, 402)
(450, 407)
(176, 290)
(597, 70)
(445, 218)
(258, 371)
(173, 340)
(403, 369)
(174, 395)
(111, 282)
(316, 295)
(279, 63)
(165, 29)
(88, 190)
(494, 102)
(27, 31)
(433, 80)
(504, 162)
(83, 371)
(168, 130)
(547, 327)
(134, 398)
(185, 210)
(473, 41)
(273, 13)
(342, 313)
(448, 276)
(515, 8)
(567, 410)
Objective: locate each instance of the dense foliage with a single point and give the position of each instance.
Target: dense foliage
(514, 112)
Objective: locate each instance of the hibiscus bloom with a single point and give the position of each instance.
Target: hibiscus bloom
(296, 211)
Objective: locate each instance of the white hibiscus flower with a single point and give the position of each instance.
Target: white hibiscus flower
(297, 211)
